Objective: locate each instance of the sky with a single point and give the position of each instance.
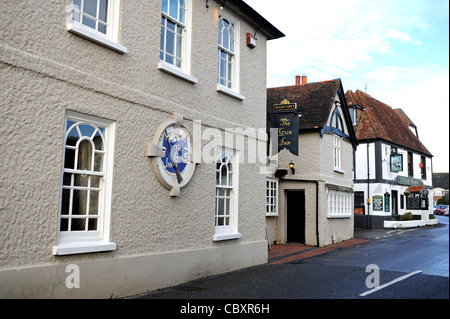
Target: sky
(397, 51)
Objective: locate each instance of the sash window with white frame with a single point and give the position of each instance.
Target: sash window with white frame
(175, 41)
(337, 152)
(226, 196)
(173, 22)
(86, 185)
(97, 20)
(271, 197)
(228, 56)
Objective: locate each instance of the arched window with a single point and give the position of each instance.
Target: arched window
(82, 177)
(226, 52)
(224, 189)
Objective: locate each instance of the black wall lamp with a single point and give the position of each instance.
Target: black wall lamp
(223, 4)
(207, 5)
(292, 167)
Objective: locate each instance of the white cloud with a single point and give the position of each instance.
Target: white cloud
(398, 35)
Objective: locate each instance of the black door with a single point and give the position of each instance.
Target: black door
(295, 216)
(394, 197)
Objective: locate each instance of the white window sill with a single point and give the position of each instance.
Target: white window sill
(272, 215)
(339, 216)
(83, 247)
(226, 236)
(85, 32)
(227, 91)
(338, 170)
(169, 68)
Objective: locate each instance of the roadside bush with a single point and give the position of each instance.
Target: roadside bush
(431, 216)
(407, 216)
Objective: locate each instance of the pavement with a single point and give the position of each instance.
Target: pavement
(287, 253)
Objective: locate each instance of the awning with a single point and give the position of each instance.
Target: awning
(415, 189)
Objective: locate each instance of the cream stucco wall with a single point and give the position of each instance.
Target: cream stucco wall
(314, 164)
(161, 241)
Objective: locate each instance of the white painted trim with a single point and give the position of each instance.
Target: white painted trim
(79, 29)
(227, 91)
(226, 236)
(83, 247)
(169, 68)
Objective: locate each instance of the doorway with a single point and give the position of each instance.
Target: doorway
(295, 211)
(394, 196)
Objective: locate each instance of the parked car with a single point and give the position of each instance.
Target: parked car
(446, 211)
(440, 209)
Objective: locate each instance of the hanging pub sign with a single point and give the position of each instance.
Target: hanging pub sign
(285, 119)
(396, 163)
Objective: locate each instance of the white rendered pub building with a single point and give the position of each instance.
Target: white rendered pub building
(393, 169)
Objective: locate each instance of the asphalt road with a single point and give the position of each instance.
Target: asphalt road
(405, 264)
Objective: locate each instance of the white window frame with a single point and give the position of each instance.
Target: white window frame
(110, 39)
(230, 231)
(234, 90)
(76, 242)
(340, 204)
(337, 153)
(183, 72)
(272, 196)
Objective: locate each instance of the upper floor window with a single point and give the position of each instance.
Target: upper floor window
(173, 22)
(337, 152)
(410, 164)
(97, 20)
(175, 41)
(226, 52)
(85, 186)
(423, 167)
(228, 56)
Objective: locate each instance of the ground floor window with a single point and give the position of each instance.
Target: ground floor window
(271, 196)
(226, 212)
(340, 204)
(85, 185)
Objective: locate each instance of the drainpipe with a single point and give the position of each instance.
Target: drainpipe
(368, 188)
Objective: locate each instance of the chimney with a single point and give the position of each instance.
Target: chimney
(300, 80)
(304, 79)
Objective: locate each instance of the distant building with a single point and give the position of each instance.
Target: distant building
(393, 169)
(310, 194)
(440, 186)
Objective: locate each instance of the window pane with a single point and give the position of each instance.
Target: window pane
(81, 180)
(164, 6)
(86, 130)
(72, 137)
(92, 224)
(79, 202)
(220, 206)
(98, 162)
(93, 202)
(95, 181)
(85, 155)
(98, 141)
(67, 179)
(89, 22)
(65, 202)
(78, 224)
(64, 224)
(173, 9)
(102, 14)
(69, 158)
(90, 7)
